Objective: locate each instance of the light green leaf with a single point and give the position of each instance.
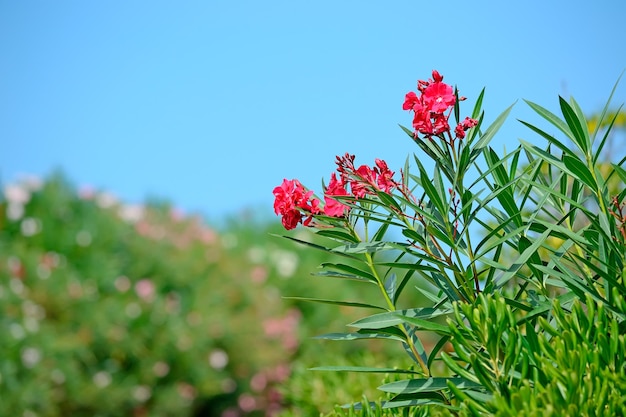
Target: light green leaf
(422, 324)
(357, 336)
(411, 386)
(348, 269)
(365, 247)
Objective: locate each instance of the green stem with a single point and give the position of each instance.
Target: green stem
(391, 305)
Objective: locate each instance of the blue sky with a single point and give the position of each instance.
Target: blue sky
(210, 104)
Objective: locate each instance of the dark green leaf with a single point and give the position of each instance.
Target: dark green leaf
(580, 171)
(576, 126)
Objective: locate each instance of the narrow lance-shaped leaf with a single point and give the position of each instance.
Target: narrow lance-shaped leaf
(336, 302)
(552, 118)
(576, 126)
(580, 171)
(394, 318)
(362, 369)
(426, 385)
(490, 133)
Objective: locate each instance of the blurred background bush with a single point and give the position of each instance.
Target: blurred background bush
(112, 309)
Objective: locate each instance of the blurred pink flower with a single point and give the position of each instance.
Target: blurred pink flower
(145, 289)
(259, 274)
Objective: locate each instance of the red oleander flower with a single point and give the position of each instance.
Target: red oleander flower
(421, 120)
(437, 77)
(430, 105)
(438, 97)
(410, 100)
(336, 187)
(459, 132)
(440, 124)
(385, 176)
(290, 199)
(286, 195)
(291, 218)
(465, 125)
(366, 178)
(469, 123)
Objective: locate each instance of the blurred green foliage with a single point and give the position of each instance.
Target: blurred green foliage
(111, 309)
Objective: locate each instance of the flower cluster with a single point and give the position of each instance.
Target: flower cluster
(297, 205)
(432, 108)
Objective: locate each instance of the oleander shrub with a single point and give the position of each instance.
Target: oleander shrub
(523, 253)
(112, 309)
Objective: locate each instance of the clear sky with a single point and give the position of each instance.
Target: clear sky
(210, 104)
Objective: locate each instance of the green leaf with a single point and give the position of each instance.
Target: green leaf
(552, 118)
(490, 133)
(335, 302)
(576, 126)
(411, 386)
(357, 336)
(394, 318)
(580, 171)
(438, 200)
(388, 200)
(364, 247)
(390, 286)
(341, 275)
(362, 369)
(350, 270)
(522, 260)
(551, 139)
(422, 324)
(337, 234)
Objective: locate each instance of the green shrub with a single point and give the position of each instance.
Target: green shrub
(110, 309)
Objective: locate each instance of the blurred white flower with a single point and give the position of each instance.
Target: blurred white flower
(122, 283)
(106, 200)
(30, 226)
(286, 262)
(218, 359)
(16, 194)
(32, 309)
(102, 379)
(131, 213)
(30, 357)
(15, 211)
(256, 254)
(161, 369)
(142, 393)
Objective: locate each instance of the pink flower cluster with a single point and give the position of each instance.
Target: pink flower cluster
(432, 108)
(297, 205)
